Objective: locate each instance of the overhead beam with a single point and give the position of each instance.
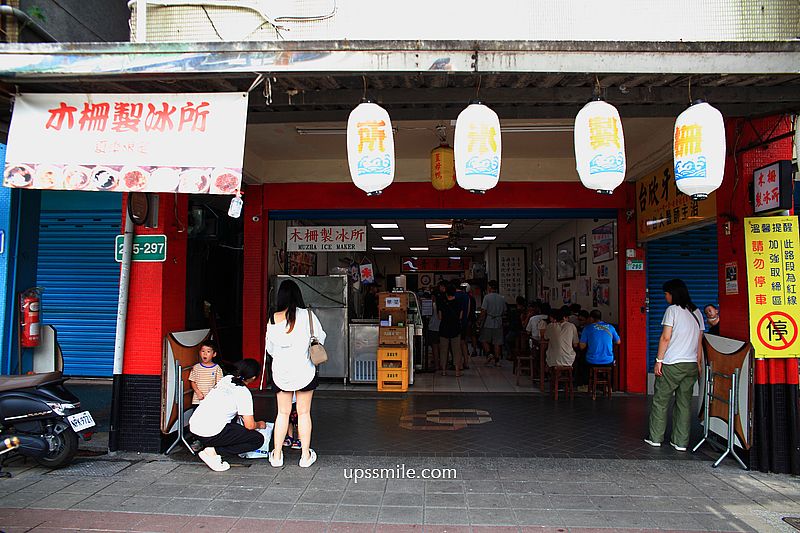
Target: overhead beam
(516, 112)
(620, 95)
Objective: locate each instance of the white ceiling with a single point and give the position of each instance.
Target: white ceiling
(518, 232)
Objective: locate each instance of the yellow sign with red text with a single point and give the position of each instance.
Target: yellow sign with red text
(772, 245)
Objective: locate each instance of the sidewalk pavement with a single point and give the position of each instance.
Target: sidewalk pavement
(134, 492)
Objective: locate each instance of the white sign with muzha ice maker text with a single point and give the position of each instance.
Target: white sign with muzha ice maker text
(159, 142)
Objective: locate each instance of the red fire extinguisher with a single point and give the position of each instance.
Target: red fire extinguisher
(30, 303)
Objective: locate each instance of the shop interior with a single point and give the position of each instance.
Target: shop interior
(560, 261)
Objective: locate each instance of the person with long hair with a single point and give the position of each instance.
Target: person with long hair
(679, 362)
(288, 340)
(212, 421)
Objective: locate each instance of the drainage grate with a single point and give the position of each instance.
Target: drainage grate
(793, 521)
(92, 468)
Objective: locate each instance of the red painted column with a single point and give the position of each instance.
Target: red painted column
(156, 307)
(254, 303)
(632, 293)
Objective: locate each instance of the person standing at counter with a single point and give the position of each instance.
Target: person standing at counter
(288, 340)
(493, 307)
(450, 315)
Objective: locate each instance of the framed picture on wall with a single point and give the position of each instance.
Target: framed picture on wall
(512, 273)
(582, 266)
(565, 260)
(582, 244)
(603, 243)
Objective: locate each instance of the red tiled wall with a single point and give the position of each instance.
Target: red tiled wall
(733, 205)
(254, 300)
(157, 296)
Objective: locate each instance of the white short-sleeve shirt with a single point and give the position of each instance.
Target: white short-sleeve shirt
(292, 368)
(687, 327)
(220, 406)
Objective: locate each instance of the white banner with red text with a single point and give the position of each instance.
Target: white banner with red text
(158, 142)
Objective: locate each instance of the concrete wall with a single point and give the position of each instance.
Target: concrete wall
(78, 20)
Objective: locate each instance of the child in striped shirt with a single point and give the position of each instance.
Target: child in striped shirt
(206, 373)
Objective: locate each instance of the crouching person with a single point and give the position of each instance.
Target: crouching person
(214, 424)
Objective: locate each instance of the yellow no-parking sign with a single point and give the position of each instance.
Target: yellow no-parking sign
(772, 255)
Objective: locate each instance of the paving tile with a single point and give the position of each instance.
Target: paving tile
(88, 486)
(225, 508)
(400, 515)
(367, 485)
(405, 485)
(19, 500)
(161, 523)
(489, 517)
(247, 494)
(439, 528)
(208, 523)
(538, 517)
(444, 486)
(403, 499)
(522, 487)
(271, 510)
(63, 500)
(321, 496)
(352, 497)
(185, 506)
(357, 513)
(251, 525)
(315, 512)
(529, 501)
(487, 501)
(445, 500)
(346, 527)
(445, 516)
(303, 526)
(280, 495)
(483, 486)
(593, 519)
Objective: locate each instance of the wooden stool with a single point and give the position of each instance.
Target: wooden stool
(524, 367)
(600, 376)
(561, 374)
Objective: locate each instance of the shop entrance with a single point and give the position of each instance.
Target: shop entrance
(556, 257)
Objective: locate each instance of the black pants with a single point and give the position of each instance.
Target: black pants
(234, 439)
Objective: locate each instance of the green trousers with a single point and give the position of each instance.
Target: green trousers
(677, 379)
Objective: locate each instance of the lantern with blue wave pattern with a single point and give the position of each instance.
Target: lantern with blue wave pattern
(599, 147)
(699, 150)
(370, 148)
(477, 148)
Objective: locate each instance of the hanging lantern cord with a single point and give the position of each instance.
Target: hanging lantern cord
(598, 89)
(478, 89)
(364, 95)
(690, 91)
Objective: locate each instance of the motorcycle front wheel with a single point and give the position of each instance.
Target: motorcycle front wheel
(66, 446)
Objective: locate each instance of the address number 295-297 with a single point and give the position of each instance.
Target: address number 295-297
(146, 248)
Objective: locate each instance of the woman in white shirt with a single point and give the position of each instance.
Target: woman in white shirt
(212, 421)
(288, 339)
(679, 362)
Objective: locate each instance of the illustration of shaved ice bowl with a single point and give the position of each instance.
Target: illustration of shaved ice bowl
(18, 176)
(164, 178)
(194, 180)
(134, 178)
(76, 178)
(105, 179)
(224, 181)
(48, 177)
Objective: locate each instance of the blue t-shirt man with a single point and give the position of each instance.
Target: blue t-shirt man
(600, 338)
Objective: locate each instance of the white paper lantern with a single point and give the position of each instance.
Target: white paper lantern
(477, 148)
(599, 147)
(370, 148)
(699, 150)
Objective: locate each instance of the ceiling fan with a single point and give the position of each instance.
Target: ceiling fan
(456, 231)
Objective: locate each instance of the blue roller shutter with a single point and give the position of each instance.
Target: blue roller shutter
(81, 281)
(690, 256)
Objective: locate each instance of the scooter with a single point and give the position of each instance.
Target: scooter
(44, 416)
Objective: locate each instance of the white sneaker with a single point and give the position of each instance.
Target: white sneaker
(679, 448)
(653, 443)
(312, 458)
(277, 463)
(214, 462)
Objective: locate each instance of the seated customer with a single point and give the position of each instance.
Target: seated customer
(597, 339)
(562, 337)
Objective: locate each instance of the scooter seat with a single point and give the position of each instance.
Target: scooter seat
(8, 383)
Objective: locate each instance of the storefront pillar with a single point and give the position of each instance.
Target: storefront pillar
(776, 421)
(156, 307)
(256, 275)
(632, 294)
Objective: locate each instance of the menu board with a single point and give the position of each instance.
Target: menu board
(512, 273)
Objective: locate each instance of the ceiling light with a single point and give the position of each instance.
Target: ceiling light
(453, 249)
(381, 249)
(438, 226)
(326, 131)
(496, 225)
(418, 248)
(456, 258)
(485, 238)
(538, 128)
(393, 238)
(383, 226)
